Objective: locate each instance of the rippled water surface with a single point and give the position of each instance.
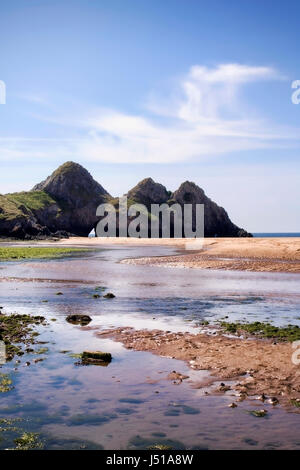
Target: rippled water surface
(130, 404)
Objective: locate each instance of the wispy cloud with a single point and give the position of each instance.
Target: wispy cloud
(206, 117)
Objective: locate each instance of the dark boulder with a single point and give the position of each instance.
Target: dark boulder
(79, 319)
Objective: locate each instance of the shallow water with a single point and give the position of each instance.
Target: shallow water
(118, 407)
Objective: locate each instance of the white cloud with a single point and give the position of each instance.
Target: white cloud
(206, 118)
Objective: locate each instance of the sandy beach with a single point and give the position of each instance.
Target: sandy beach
(244, 254)
(256, 367)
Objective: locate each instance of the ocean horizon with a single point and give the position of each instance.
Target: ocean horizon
(275, 234)
(262, 234)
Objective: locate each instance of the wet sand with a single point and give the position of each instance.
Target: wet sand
(242, 254)
(250, 254)
(137, 400)
(256, 366)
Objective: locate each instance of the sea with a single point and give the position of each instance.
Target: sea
(276, 234)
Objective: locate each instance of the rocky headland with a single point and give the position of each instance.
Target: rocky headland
(65, 204)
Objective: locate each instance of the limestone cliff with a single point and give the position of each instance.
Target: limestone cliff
(216, 219)
(66, 202)
(77, 195)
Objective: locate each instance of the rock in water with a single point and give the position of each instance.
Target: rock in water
(95, 357)
(79, 319)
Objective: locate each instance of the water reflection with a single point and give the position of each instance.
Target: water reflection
(130, 404)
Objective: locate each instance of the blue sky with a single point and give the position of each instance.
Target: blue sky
(175, 89)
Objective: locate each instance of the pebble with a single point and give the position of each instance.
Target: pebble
(273, 401)
(262, 397)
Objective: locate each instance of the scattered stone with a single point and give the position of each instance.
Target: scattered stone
(177, 376)
(241, 396)
(259, 413)
(59, 293)
(95, 357)
(224, 388)
(262, 397)
(109, 295)
(77, 319)
(29, 350)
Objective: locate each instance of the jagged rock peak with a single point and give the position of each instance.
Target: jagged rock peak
(73, 184)
(189, 192)
(216, 219)
(149, 192)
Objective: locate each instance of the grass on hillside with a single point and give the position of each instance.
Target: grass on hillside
(33, 200)
(8, 209)
(19, 253)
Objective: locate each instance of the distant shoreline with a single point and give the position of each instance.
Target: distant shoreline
(276, 234)
(238, 254)
(251, 254)
(264, 254)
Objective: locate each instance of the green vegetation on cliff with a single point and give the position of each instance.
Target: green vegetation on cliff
(32, 200)
(9, 209)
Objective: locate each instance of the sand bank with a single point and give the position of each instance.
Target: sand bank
(256, 366)
(245, 254)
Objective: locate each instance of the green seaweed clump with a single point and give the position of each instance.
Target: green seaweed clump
(159, 447)
(17, 329)
(295, 402)
(95, 357)
(28, 441)
(8, 425)
(5, 383)
(263, 330)
(258, 413)
(41, 351)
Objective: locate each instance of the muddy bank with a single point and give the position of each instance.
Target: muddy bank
(257, 367)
